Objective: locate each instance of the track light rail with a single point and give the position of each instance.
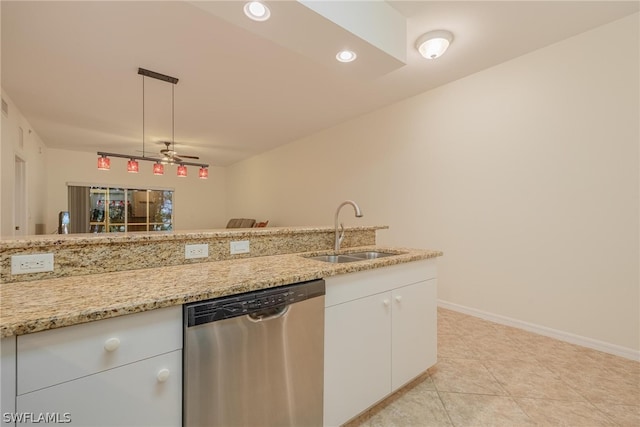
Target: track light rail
(148, 159)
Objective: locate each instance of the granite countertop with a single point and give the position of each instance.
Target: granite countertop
(27, 307)
(162, 236)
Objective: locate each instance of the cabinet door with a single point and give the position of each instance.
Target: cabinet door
(137, 394)
(357, 356)
(414, 331)
(7, 380)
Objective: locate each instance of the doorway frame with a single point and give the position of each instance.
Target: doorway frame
(20, 216)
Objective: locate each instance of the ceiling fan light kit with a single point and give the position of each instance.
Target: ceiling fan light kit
(170, 155)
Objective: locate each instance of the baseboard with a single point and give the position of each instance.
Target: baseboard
(616, 350)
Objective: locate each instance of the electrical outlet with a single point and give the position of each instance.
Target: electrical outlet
(239, 247)
(196, 251)
(36, 263)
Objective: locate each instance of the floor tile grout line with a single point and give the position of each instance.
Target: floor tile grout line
(442, 403)
(578, 391)
(561, 378)
(593, 405)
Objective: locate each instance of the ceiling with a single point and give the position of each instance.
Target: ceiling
(245, 87)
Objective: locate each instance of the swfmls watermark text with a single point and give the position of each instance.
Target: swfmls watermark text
(36, 417)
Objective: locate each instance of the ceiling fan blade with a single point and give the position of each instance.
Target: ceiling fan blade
(172, 156)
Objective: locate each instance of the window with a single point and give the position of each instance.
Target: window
(113, 210)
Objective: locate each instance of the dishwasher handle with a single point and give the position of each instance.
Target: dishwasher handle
(268, 314)
(265, 303)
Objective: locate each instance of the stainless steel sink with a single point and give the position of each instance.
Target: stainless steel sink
(336, 258)
(371, 254)
(353, 257)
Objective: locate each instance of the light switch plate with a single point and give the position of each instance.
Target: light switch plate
(196, 251)
(239, 247)
(35, 263)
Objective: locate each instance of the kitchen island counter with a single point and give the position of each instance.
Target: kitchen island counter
(27, 307)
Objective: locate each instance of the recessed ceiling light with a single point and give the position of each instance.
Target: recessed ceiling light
(433, 44)
(346, 56)
(257, 11)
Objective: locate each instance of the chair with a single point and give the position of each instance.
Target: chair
(241, 223)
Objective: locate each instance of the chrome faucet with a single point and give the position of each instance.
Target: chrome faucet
(340, 235)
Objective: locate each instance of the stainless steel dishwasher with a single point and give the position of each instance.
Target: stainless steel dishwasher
(255, 359)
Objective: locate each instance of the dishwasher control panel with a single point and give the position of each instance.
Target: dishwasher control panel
(238, 305)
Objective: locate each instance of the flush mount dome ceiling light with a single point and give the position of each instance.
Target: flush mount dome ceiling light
(257, 11)
(346, 56)
(433, 44)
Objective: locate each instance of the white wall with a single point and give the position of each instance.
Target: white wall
(34, 153)
(526, 175)
(198, 203)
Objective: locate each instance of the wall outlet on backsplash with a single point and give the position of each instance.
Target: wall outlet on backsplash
(196, 251)
(239, 247)
(35, 263)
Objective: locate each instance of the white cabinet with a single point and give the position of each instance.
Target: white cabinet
(357, 357)
(413, 333)
(7, 380)
(122, 371)
(380, 333)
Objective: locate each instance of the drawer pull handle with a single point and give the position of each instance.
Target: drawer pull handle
(163, 375)
(112, 344)
(399, 298)
(385, 302)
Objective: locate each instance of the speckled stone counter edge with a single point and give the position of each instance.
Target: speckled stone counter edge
(28, 307)
(84, 254)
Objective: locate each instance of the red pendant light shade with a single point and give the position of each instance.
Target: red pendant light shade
(203, 173)
(132, 166)
(158, 169)
(104, 163)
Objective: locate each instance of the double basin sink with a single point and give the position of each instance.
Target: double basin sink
(352, 257)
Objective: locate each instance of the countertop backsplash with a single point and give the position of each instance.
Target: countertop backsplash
(83, 254)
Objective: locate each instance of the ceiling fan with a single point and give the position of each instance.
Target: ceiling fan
(170, 155)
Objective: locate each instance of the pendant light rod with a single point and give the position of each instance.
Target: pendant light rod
(173, 121)
(158, 76)
(143, 153)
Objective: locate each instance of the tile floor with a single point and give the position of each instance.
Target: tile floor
(493, 375)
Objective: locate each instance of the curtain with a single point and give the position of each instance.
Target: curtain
(79, 208)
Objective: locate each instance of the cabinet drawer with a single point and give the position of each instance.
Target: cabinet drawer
(347, 287)
(51, 357)
(145, 393)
